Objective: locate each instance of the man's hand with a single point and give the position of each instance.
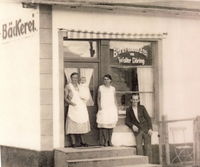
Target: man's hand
(135, 128)
(150, 132)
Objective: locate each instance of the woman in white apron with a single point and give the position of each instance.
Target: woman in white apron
(77, 123)
(107, 115)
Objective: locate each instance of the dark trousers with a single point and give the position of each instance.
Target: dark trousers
(146, 138)
(77, 139)
(105, 136)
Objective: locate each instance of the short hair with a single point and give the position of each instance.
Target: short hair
(74, 73)
(135, 94)
(108, 76)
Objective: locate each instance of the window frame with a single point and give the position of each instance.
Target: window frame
(155, 92)
(158, 78)
(82, 59)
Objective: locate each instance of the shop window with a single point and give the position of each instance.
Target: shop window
(132, 71)
(80, 49)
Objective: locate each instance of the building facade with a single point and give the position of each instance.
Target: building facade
(153, 52)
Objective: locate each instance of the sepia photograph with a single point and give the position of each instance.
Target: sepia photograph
(99, 83)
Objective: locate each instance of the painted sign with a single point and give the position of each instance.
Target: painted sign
(17, 28)
(131, 56)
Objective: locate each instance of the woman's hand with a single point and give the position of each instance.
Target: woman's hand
(84, 99)
(73, 104)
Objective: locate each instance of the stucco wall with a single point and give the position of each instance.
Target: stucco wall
(19, 85)
(180, 53)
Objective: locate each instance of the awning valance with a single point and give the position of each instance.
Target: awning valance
(80, 34)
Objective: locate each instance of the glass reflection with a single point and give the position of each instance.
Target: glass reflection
(80, 49)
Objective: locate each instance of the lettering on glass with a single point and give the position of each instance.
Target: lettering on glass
(125, 55)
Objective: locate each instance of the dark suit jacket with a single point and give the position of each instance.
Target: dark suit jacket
(144, 122)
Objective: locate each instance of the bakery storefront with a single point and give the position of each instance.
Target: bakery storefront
(131, 61)
(48, 46)
(43, 42)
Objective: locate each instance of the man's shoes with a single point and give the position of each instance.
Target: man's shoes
(110, 144)
(76, 145)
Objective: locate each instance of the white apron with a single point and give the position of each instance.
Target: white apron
(79, 112)
(108, 114)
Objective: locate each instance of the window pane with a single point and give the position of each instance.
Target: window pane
(123, 101)
(130, 53)
(80, 49)
(125, 79)
(132, 71)
(132, 79)
(145, 79)
(146, 99)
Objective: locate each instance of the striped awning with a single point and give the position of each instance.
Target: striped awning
(79, 34)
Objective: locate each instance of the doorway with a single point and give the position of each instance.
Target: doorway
(88, 71)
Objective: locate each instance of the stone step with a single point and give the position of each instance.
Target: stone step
(141, 165)
(94, 152)
(108, 161)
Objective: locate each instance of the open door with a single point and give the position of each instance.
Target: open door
(90, 72)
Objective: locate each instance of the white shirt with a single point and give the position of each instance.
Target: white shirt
(135, 110)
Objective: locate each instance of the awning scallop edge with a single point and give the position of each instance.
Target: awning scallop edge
(80, 34)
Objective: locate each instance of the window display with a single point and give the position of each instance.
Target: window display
(132, 71)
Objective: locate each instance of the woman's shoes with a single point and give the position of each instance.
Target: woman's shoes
(106, 144)
(84, 145)
(76, 145)
(80, 145)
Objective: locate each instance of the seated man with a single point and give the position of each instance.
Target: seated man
(139, 121)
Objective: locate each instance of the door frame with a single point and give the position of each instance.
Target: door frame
(92, 136)
(158, 71)
(62, 61)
